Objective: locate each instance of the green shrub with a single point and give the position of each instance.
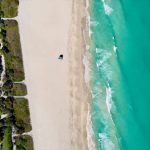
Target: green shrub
(12, 52)
(1, 133)
(22, 115)
(18, 89)
(7, 143)
(6, 106)
(9, 8)
(24, 142)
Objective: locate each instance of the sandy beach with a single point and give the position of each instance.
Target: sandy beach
(57, 92)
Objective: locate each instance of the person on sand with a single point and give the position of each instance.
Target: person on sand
(61, 56)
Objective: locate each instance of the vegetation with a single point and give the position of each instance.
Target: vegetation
(17, 111)
(6, 142)
(18, 89)
(6, 105)
(9, 8)
(24, 142)
(12, 51)
(7, 85)
(21, 113)
(14, 112)
(1, 133)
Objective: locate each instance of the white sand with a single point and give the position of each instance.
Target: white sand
(56, 89)
(44, 26)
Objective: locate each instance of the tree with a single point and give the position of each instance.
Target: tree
(1, 14)
(8, 85)
(8, 104)
(1, 134)
(5, 49)
(3, 32)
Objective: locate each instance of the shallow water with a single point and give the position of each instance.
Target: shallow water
(120, 76)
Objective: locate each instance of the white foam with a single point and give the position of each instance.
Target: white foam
(106, 143)
(109, 98)
(87, 5)
(90, 132)
(89, 24)
(95, 92)
(88, 18)
(86, 55)
(94, 23)
(99, 50)
(86, 62)
(87, 68)
(115, 48)
(105, 56)
(107, 8)
(108, 71)
(90, 32)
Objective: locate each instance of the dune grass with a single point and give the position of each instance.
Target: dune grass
(24, 142)
(18, 89)
(13, 56)
(22, 115)
(9, 8)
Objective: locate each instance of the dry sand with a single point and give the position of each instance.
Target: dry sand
(56, 89)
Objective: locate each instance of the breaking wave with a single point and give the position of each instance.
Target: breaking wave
(106, 143)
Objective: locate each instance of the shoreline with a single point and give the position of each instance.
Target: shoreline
(79, 94)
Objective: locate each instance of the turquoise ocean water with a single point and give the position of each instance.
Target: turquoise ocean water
(120, 74)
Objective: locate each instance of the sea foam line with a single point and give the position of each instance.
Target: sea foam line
(105, 55)
(89, 129)
(90, 132)
(109, 98)
(88, 18)
(106, 143)
(110, 105)
(87, 70)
